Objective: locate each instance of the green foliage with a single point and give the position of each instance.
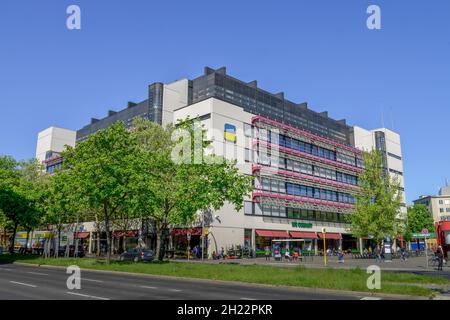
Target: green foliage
(419, 217)
(21, 194)
(378, 202)
(98, 174)
(174, 192)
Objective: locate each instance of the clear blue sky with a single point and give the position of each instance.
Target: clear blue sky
(315, 51)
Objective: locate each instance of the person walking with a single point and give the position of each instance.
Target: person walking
(403, 254)
(440, 257)
(378, 254)
(267, 253)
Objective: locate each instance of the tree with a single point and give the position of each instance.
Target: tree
(20, 194)
(419, 218)
(378, 201)
(172, 192)
(101, 173)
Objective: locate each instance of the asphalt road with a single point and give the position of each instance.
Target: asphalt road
(42, 283)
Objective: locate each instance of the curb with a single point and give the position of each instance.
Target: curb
(245, 284)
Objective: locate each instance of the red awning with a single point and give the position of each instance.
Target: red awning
(185, 231)
(81, 235)
(272, 233)
(330, 235)
(126, 234)
(303, 234)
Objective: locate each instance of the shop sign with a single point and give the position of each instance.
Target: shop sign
(302, 225)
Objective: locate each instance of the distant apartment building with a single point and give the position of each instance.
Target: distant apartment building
(439, 205)
(50, 143)
(388, 143)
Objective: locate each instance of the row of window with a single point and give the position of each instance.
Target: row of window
(441, 210)
(254, 208)
(278, 186)
(444, 201)
(318, 193)
(309, 169)
(298, 145)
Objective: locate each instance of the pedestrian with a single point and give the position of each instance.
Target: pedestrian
(378, 254)
(267, 253)
(222, 253)
(403, 254)
(440, 256)
(341, 256)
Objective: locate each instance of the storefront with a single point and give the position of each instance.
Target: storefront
(184, 238)
(124, 240)
(333, 241)
(263, 239)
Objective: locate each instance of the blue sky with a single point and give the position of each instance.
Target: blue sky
(316, 51)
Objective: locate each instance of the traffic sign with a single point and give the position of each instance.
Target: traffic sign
(425, 231)
(188, 236)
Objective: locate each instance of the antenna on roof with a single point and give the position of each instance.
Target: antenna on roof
(382, 117)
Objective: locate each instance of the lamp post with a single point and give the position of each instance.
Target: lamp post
(324, 231)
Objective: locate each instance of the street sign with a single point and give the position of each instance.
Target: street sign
(188, 235)
(324, 230)
(425, 231)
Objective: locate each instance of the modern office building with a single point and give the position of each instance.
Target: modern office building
(304, 163)
(438, 205)
(388, 143)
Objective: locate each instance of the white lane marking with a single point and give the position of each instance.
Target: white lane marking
(38, 273)
(6, 269)
(370, 298)
(24, 284)
(175, 290)
(247, 298)
(147, 287)
(87, 296)
(91, 280)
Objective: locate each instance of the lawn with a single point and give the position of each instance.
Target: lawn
(353, 280)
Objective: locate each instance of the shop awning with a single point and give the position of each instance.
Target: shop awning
(272, 233)
(81, 235)
(330, 235)
(126, 234)
(303, 235)
(185, 231)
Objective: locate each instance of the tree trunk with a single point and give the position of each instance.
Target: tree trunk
(11, 247)
(97, 251)
(158, 244)
(26, 242)
(108, 241)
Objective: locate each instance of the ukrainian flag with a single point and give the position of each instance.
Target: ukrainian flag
(230, 132)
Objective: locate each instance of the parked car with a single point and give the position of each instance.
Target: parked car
(137, 255)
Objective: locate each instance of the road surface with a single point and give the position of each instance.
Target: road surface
(42, 283)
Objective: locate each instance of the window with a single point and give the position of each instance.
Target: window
(441, 210)
(275, 211)
(282, 186)
(248, 155)
(265, 184)
(266, 210)
(446, 201)
(289, 164)
(447, 209)
(248, 207)
(441, 201)
(274, 186)
(296, 166)
(248, 130)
